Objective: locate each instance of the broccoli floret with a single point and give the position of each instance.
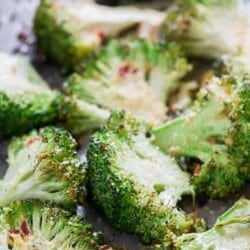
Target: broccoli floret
(135, 184)
(68, 32)
(209, 28)
(43, 165)
(25, 99)
(36, 225)
(216, 131)
(231, 231)
(135, 76)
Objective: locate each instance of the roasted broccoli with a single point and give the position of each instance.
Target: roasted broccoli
(36, 225)
(67, 33)
(25, 99)
(231, 232)
(135, 76)
(209, 28)
(135, 184)
(216, 131)
(43, 165)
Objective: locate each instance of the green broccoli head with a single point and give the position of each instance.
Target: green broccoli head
(135, 184)
(215, 131)
(67, 33)
(230, 231)
(43, 165)
(36, 225)
(130, 77)
(25, 99)
(209, 28)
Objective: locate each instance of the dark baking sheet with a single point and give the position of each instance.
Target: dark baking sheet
(16, 37)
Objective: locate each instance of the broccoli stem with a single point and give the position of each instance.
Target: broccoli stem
(192, 135)
(82, 116)
(33, 187)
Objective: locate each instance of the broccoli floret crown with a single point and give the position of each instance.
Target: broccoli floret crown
(44, 165)
(57, 35)
(26, 101)
(136, 76)
(199, 26)
(215, 131)
(44, 226)
(135, 184)
(69, 32)
(160, 66)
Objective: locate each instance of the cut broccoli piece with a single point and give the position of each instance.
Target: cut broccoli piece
(136, 76)
(231, 231)
(135, 184)
(217, 132)
(67, 33)
(35, 225)
(209, 28)
(43, 165)
(25, 99)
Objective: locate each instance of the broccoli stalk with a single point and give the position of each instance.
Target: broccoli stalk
(216, 131)
(130, 77)
(36, 225)
(25, 99)
(67, 33)
(230, 231)
(135, 184)
(209, 28)
(43, 165)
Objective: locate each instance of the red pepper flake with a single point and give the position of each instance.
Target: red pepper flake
(124, 70)
(102, 36)
(32, 140)
(24, 228)
(197, 169)
(14, 231)
(127, 69)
